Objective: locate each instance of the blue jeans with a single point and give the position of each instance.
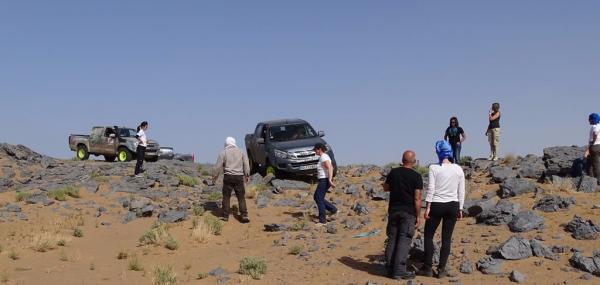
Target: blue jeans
(456, 152)
(322, 204)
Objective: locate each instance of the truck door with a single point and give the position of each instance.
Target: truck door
(96, 140)
(260, 154)
(110, 139)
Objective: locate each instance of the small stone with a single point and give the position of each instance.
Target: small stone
(517, 277)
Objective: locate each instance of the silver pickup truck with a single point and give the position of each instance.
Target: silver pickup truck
(111, 142)
(285, 147)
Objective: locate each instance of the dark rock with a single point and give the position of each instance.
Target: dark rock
(283, 185)
(146, 211)
(516, 186)
(352, 224)
(489, 265)
(586, 184)
(21, 216)
(275, 227)
(221, 274)
(352, 189)
(517, 277)
(526, 221)
(20, 152)
(417, 250)
(582, 229)
(559, 159)
(48, 162)
(587, 264)
(172, 216)
(287, 202)
(262, 201)
(13, 208)
(531, 166)
(138, 203)
(516, 248)
(501, 173)
(476, 207)
(540, 250)
(40, 198)
(130, 216)
(331, 228)
(482, 164)
(503, 213)
(552, 203)
(360, 209)
(466, 267)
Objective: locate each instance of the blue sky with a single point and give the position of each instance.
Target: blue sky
(378, 77)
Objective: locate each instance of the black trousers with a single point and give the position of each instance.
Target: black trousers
(401, 229)
(140, 153)
(234, 183)
(594, 161)
(446, 213)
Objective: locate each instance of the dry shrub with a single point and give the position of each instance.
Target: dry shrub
(46, 241)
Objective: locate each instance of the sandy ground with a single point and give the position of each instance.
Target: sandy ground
(92, 259)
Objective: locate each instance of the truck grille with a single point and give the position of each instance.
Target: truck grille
(304, 154)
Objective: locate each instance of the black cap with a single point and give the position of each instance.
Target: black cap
(320, 146)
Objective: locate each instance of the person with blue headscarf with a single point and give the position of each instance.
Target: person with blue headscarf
(593, 152)
(445, 199)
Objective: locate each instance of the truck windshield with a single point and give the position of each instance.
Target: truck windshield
(291, 132)
(127, 133)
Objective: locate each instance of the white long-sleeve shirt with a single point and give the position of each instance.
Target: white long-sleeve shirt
(446, 184)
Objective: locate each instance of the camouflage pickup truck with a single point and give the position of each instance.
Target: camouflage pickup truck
(111, 142)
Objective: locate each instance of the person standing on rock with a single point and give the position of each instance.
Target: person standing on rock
(445, 198)
(141, 148)
(493, 131)
(234, 166)
(593, 151)
(455, 135)
(405, 186)
(325, 176)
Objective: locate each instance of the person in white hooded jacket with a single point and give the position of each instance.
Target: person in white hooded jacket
(234, 166)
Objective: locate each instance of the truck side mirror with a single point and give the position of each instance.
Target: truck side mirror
(260, 140)
(321, 133)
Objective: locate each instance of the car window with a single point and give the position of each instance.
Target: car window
(291, 132)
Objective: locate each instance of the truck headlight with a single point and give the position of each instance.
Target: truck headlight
(281, 154)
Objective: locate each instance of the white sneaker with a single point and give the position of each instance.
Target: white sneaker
(139, 176)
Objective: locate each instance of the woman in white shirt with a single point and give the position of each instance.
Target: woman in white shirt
(593, 152)
(325, 176)
(141, 148)
(445, 198)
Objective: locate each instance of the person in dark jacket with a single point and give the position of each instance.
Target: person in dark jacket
(455, 135)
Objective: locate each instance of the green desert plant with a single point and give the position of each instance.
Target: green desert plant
(77, 232)
(199, 211)
(423, 170)
(187, 180)
(254, 267)
(22, 196)
(171, 243)
(134, 264)
(215, 196)
(61, 193)
(299, 225)
(214, 225)
(295, 250)
(201, 276)
(122, 255)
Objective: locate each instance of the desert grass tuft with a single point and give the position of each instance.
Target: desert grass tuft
(295, 250)
(254, 267)
(135, 264)
(186, 180)
(22, 196)
(164, 276)
(61, 193)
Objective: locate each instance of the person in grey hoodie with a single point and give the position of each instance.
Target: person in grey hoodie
(234, 166)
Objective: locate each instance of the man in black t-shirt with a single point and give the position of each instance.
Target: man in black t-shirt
(404, 185)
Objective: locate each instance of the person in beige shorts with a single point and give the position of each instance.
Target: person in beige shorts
(493, 131)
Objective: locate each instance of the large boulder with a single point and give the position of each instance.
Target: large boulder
(476, 207)
(516, 186)
(515, 248)
(587, 264)
(172, 216)
(482, 164)
(502, 214)
(531, 166)
(559, 159)
(586, 184)
(501, 173)
(541, 250)
(582, 229)
(283, 185)
(553, 203)
(526, 221)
